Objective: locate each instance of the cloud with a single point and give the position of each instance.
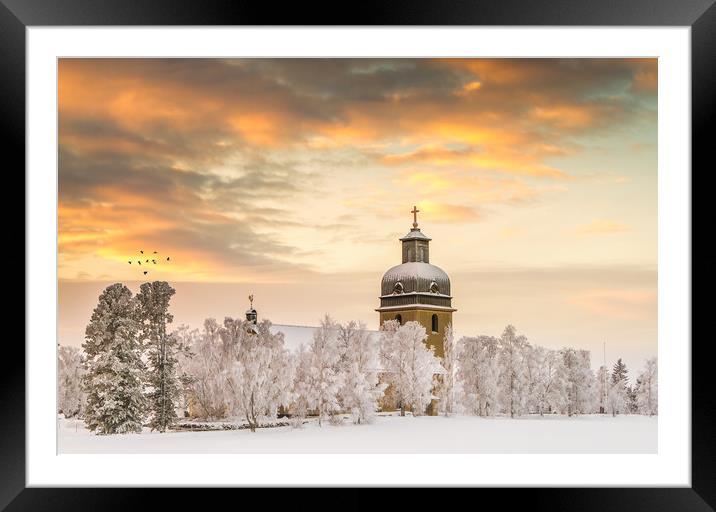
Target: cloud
(617, 303)
(223, 162)
(603, 227)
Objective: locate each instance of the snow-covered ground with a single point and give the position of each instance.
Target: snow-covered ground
(391, 434)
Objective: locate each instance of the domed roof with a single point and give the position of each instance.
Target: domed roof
(415, 276)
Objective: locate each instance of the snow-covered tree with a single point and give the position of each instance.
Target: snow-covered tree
(580, 383)
(549, 377)
(617, 397)
(477, 374)
(601, 388)
(358, 366)
(446, 385)
(409, 364)
(647, 388)
(325, 380)
(114, 378)
(618, 394)
(620, 372)
(71, 398)
(161, 348)
(207, 368)
(513, 383)
(261, 376)
(301, 386)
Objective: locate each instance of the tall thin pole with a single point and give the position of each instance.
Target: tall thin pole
(604, 384)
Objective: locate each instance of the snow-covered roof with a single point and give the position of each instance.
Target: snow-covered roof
(415, 276)
(296, 335)
(415, 234)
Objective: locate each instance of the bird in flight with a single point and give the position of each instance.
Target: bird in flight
(154, 261)
(146, 272)
(129, 262)
(155, 252)
(141, 251)
(138, 261)
(167, 258)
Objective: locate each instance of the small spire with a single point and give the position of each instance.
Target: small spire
(415, 211)
(251, 301)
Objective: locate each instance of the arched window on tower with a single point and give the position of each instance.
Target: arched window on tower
(399, 318)
(435, 323)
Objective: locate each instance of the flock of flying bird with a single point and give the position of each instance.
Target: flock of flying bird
(152, 260)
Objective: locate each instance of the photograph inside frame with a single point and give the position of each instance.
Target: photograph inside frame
(357, 255)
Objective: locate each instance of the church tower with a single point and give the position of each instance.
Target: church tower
(415, 290)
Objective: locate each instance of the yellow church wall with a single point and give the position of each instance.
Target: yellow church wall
(424, 317)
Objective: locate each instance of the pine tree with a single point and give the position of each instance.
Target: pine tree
(619, 372)
(161, 348)
(620, 393)
(113, 382)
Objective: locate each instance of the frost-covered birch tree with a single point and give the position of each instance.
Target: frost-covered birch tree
(478, 374)
(550, 394)
(325, 380)
(207, 369)
(409, 364)
(601, 388)
(70, 398)
(513, 384)
(647, 388)
(580, 382)
(261, 376)
(114, 378)
(360, 390)
(300, 389)
(446, 387)
(164, 385)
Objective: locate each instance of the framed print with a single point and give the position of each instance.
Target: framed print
(434, 247)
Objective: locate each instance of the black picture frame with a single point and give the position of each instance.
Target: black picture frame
(17, 15)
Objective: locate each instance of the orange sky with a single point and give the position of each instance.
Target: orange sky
(271, 174)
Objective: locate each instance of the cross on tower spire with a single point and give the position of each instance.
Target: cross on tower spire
(415, 211)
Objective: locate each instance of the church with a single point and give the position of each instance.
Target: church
(416, 290)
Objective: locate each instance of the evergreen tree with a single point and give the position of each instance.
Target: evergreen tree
(113, 382)
(619, 372)
(161, 348)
